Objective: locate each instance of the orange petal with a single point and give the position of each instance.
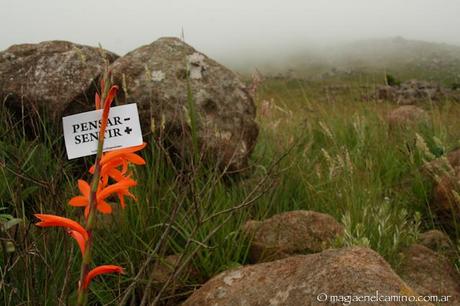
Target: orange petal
(110, 96)
(116, 175)
(79, 201)
(135, 159)
(80, 240)
(104, 182)
(114, 163)
(121, 197)
(117, 153)
(105, 113)
(84, 188)
(97, 100)
(101, 270)
(52, 220)
(103, 207)
(124, 184)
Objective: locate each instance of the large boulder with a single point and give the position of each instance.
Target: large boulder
(306, 280)
(430, 273)
(293, 232)
(160, 76)
(56, 76)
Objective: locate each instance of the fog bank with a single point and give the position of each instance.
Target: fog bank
(228, 30)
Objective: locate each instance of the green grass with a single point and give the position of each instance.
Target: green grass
(317, 150)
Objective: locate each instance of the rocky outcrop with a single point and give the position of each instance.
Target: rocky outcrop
(56, 76)
(430, 273)
(305, 280)
(293, 232)
(411, 92)
(175, 87)
(407, 116)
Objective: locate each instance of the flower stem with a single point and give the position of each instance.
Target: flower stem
(91, 220)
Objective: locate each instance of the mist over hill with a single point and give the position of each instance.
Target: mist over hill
(403, 57)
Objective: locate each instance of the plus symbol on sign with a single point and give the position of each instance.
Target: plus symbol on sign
(128, 130)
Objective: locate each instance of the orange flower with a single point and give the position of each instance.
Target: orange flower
(114, 159)
(120, 188)
(52, 220)
(101, 270)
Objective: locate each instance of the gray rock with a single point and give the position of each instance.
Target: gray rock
(293, 232)
(298, 280)
(57, 76)
(156, 76)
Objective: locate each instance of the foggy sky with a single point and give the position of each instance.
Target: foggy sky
(219, 28)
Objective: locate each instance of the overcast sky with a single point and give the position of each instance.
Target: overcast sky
(219, 27)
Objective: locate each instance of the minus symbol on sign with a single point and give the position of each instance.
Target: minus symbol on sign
(127, 119)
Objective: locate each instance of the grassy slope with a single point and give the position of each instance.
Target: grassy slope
(342, 160)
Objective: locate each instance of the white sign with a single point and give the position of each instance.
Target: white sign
(81, 131)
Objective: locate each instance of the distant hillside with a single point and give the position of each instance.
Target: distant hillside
(404, 58)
